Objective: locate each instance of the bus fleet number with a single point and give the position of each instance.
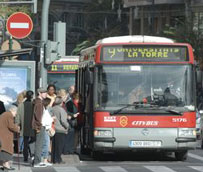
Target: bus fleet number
(179, 119)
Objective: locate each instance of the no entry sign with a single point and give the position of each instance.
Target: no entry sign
(19, 25)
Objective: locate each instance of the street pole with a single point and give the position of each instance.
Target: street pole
(44, 38)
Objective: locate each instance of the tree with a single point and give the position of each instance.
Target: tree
(185, 31)
(101, 20)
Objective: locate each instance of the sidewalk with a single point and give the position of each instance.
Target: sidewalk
(21, 166)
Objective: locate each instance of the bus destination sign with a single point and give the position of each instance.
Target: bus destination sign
(130, 53)
(62, 67)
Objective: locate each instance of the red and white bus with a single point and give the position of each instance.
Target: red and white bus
(62, 72)
(138, 93)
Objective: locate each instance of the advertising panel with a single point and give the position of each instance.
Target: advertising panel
(12, 82)
(15, 77)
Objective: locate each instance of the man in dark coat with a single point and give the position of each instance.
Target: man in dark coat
(2, 107)
(24, 120)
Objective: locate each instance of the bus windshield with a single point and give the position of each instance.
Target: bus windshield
(160, 85)
(61, 80)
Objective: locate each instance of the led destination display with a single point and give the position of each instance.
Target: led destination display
(62, 67)
(130, 53)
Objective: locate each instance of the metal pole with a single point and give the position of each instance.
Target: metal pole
(10, 46)
(44, 38)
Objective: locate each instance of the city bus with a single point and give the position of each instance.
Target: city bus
(62, 72)
(137, 94)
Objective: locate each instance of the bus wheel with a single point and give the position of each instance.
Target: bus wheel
(84, 150)
(181, 156)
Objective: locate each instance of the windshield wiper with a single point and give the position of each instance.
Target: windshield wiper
(120, 109)
(171, 110)
(135, 104)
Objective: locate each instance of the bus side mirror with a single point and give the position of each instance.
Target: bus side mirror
(201, 112)
(199, 76)
(88, 77)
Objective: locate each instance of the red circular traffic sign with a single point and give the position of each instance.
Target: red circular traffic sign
(19, 25)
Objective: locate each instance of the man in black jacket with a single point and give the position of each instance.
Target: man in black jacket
(24, 120)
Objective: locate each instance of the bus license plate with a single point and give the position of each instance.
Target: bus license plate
(145, 143)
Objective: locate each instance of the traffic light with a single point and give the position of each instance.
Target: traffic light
(60, 36)
(56, 49)
(51, 52)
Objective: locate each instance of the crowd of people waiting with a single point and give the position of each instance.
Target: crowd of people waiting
(46, 126)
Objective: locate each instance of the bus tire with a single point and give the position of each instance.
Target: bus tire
(84, 151)
(181, 156)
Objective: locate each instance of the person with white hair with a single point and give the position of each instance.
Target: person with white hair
(61, 127)
(7, 128)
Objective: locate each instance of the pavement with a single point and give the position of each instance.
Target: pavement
(21, 166)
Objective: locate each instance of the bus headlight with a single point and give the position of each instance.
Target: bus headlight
(187, 132)
(102, 133)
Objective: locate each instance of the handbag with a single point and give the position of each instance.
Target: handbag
(52, 130)
(73, 122)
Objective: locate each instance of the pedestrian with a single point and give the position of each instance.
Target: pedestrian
(7, 128)
(21, 97)
(24, 120)
(2, 107)
(61, 127)
(37, 126)
(47, 121)
(71, 106)
(71, 90)
(51, 93)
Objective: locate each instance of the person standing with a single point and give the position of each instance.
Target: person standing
(7, 128)
(37, 126)
(47, 121)
(71, 106)
(51, 93)
(71, 90)
(24, 120)
(61, 128)
(21, 97)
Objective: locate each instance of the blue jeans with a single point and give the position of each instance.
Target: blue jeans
(45, 147)
(21, 145)
(38, 145)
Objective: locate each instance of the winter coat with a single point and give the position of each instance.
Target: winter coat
(24, 118)
(37, 114)
(7, 128)
(61, 124)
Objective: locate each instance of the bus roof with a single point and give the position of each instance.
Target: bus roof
(135, 38)
(68, 59)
